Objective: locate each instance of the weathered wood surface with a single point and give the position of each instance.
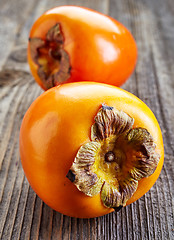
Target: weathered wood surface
(22, 214)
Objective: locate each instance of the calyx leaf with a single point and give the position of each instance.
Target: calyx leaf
(52, 60)
(110, 121)
(117, 157)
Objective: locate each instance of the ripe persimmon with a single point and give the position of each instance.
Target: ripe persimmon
(70, 43)
(89, 148)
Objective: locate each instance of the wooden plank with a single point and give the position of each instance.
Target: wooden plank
(9, 168)
(12, 20)
(154, 85)
(30, 222)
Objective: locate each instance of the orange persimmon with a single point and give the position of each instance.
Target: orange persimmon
(77, 135)
(70, 44)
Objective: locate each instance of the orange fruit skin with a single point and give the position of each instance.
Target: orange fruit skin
(55, 126)
(100, 48)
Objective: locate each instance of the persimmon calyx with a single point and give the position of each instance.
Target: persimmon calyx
(117, 157)
(52, 60)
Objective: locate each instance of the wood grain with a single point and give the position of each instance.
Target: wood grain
(22, 214)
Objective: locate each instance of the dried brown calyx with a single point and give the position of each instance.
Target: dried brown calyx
(117, 157)
(52, 60)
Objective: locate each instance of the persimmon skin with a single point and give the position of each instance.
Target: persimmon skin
(55, 126)
(100, 48)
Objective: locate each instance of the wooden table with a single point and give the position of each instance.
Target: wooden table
(22, 214)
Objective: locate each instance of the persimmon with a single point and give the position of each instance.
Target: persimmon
(70, 43)
(88, 149)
